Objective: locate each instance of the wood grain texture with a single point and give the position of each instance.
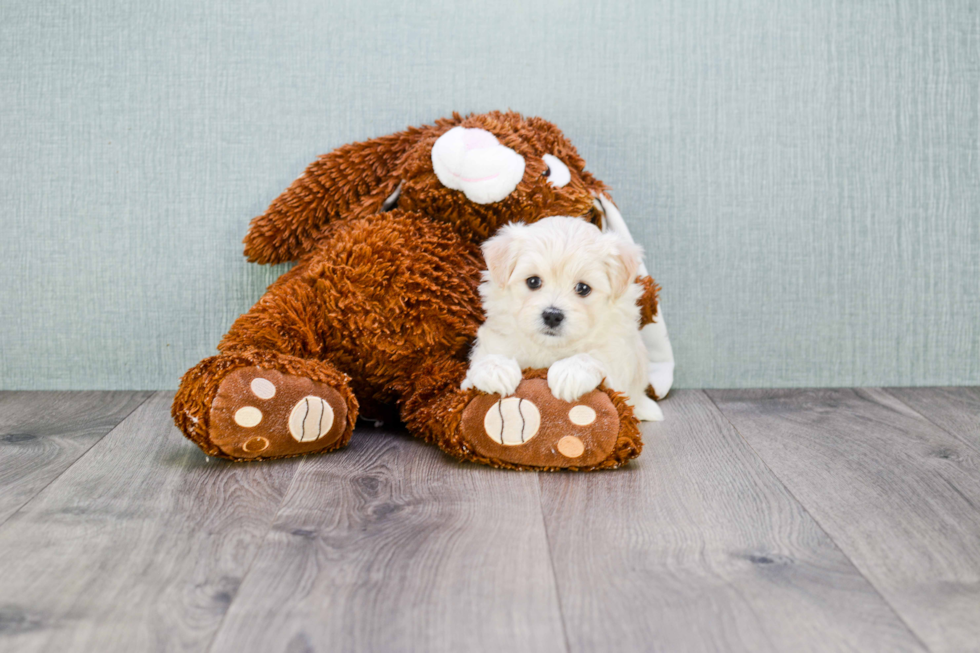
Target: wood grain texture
(696, 546)
(42, 433)
(899, 495)
(393, 546)
(139, 546)
(830, 520)
(955, 410)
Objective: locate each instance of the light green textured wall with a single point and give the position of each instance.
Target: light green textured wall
(805, 176)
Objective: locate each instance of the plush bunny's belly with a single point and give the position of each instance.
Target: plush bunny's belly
(381, 298)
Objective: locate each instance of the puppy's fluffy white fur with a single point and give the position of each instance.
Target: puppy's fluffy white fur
(568, 266)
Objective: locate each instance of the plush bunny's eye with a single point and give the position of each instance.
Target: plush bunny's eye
(557, 172)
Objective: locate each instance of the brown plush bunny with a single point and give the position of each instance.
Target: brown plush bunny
(382, 307)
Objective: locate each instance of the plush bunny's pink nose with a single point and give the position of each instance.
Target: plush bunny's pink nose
(473, 161)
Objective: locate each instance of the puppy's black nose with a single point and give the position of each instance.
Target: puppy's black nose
(552, 317)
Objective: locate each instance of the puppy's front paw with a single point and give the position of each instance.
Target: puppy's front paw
(572, 377)
(493, 374)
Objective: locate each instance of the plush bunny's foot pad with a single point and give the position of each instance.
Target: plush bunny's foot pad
(532, 429)
(261, 413)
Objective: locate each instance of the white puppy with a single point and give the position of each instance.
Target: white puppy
(561, 294)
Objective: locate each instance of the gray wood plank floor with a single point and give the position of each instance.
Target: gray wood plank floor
(899, 496)
(957, 410)
(699, 547)
(392, 548)
(791, 520)
(43, 433)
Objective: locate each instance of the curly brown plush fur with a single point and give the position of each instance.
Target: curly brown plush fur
(383, 306)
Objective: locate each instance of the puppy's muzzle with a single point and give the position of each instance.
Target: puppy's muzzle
(552, 317)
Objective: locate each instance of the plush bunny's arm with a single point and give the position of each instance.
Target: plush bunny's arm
(654, 334)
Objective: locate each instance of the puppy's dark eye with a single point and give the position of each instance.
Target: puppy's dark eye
(582, 289)
(546, 173)
(533, 283)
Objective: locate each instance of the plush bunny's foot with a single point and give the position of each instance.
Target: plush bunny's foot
(532, 429)
(261, 413)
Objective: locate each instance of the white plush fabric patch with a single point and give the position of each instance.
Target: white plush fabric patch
(473, 161)
(263, 388)
(248, 416)
(661, 375)
(311, 419)
(558, 173)
(659, 350)
(581, 415)
(512, 421)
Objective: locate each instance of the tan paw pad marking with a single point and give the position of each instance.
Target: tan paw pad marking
(581, 415)
(248, 416)
(257, 443)
(512, 421)
(311, 419)
(263, 388)
(570, 446)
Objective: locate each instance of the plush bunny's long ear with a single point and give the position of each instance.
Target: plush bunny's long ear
(347, 182)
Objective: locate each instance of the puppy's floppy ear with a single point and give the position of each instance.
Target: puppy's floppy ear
(623, 263)
(501, 252)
